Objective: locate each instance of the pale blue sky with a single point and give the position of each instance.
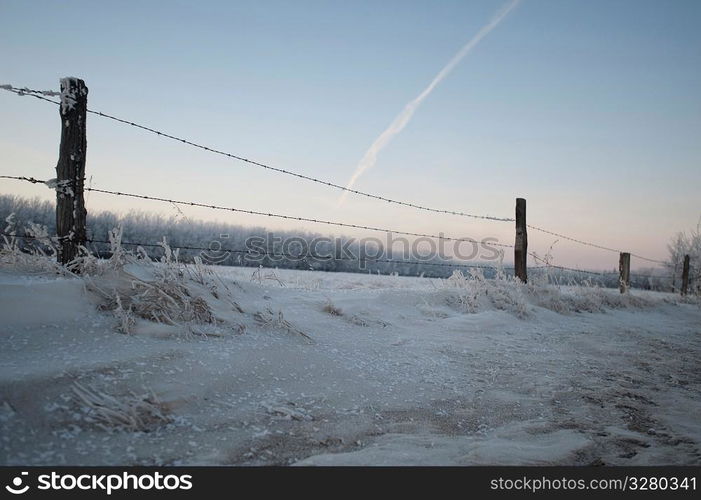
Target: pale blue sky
(589, 109)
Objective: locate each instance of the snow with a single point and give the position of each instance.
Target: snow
(400, 374)
(69, 95)
(511, 445)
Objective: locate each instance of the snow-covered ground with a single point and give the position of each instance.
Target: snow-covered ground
(311, 368)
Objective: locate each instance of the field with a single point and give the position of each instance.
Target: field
(135, 363)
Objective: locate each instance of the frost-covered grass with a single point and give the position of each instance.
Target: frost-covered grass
(133, 286)
(41, 258)
(226, 365)
(133, 412)
(471, 292)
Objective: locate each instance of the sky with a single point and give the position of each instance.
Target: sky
(589, 110)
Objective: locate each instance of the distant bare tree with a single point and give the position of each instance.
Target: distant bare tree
(682, 244)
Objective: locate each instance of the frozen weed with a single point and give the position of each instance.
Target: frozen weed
(132, 412)
(331, 309)
(268, 318)
(259, 276)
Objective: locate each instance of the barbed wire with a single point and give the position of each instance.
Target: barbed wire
(37, 94)
(288, 255)
(20, 178)
(547, 264)
(582, 242)
(306, 257)
(290, 217)
(27, 91)
(341, 224)
(303, 257)
(270, 214)
(41, 95)
(599, 273)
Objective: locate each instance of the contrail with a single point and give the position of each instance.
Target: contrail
(403, 118)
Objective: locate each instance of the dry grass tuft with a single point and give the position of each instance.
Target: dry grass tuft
(270, 319)
(131, 413)
(331, 309)
(258, 275)
(166, 301)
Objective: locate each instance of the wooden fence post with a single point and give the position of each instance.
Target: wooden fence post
(521, 245)
(624, 270)
(70, 169)
(685, 276)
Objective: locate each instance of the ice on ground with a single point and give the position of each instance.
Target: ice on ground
(511, 445)
(389, 371)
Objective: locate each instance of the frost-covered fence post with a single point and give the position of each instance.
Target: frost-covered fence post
(70, 169)
(624, 271)
(685, 275)
(521, 245)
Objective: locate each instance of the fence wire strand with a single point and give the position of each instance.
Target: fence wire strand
(270, 214)
(326, 258)
(298, 257)
(546, 264)
(594, 245)
(289, 217)
(333, 223)
(20, 178)
(41, 94)
(38, 94)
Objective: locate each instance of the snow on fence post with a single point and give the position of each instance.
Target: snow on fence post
(624, 270)
(70, 169)
(521, 245)
(685, 275)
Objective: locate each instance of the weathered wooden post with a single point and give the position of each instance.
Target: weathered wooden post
(70, 169)
(624, 271)
(685, 275)
(521, 245)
